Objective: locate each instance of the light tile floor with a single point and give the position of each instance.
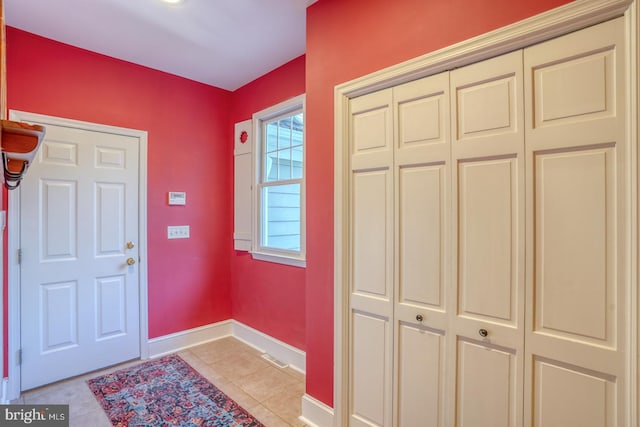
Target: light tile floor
(271, 394)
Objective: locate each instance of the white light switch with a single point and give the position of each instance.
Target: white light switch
(178, 232)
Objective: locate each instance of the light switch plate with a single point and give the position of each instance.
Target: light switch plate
(178, 232)
(177, 198)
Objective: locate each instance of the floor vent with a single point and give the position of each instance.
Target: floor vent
(274, 361)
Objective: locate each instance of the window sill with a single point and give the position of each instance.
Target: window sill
(279, 259)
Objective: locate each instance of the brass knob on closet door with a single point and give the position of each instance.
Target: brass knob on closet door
(419, 318)
(483, 332)
(130, 245)
(131, 261)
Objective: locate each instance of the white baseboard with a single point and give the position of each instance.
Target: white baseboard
(316, 413)
(284, 352)
(294, 357)
(4, 399)
(184, 339)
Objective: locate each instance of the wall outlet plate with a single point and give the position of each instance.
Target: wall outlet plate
(178, 232)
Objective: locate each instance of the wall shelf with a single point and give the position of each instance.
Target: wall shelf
(20, 142)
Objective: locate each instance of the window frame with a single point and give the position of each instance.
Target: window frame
(258, 251)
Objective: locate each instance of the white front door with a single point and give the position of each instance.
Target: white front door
(78, 232)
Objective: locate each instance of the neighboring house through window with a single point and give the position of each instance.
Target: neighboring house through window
(279, 232)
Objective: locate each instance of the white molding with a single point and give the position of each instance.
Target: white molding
(315, 413)
(13, 242)
(632, 29)
(182, 340)
(290, 355)
(3, 393)
(294, 357)
(553, 23)
(259, 252)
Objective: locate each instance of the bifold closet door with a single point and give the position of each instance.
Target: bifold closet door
(487, 296)
(422, 193)
(371, 260)
(577, 231)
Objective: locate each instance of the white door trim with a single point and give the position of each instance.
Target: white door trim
(13, 241)
(556, 22)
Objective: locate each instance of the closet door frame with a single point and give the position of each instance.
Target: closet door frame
(545, 26)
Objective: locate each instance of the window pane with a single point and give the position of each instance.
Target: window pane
(271, 167)
(280, 222)
(284, 133)
(271, 137)
(296, 166)
(284, 170)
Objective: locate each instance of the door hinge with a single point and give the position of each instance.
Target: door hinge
(19, 357)
(19, 256)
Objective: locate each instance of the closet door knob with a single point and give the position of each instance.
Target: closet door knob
(419, 318)
(483, 332)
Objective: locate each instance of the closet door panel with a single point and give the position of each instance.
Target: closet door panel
(569, 396)
(371, 272)
(420, 379)
(577, 180)
(486, 386)
(486, 302)
(574, 269)
(422, 196)
(422, 236)
(370, 374)
(371, 260)
(486, 110)
(488, 263)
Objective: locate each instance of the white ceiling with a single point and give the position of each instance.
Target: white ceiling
(224, 43)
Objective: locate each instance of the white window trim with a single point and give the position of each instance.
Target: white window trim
(297, 259)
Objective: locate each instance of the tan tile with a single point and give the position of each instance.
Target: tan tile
(237, 394)
(237, 366)
(266, 383)
(287, 404)
(268, 418)
(220, 349)
(204, 369)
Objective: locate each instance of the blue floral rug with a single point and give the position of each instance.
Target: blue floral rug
(166, 392)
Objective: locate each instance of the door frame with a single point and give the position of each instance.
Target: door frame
(547, 25)
(13, 243)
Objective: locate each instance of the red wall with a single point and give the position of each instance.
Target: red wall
(348, 39)
(267, 296)
(188, 150)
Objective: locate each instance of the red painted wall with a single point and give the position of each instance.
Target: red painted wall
(348, 39)
(266, 296)
(188, 150)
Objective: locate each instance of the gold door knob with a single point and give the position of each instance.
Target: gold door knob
(131, 261)
(130, 245)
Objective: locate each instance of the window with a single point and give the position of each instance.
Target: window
(279, 154)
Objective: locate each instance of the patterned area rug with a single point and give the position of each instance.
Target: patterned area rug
(166, 392)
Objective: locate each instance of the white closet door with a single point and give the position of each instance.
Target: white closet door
(577, 181)
(422, 193)
(371, 258)
(487, 296)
